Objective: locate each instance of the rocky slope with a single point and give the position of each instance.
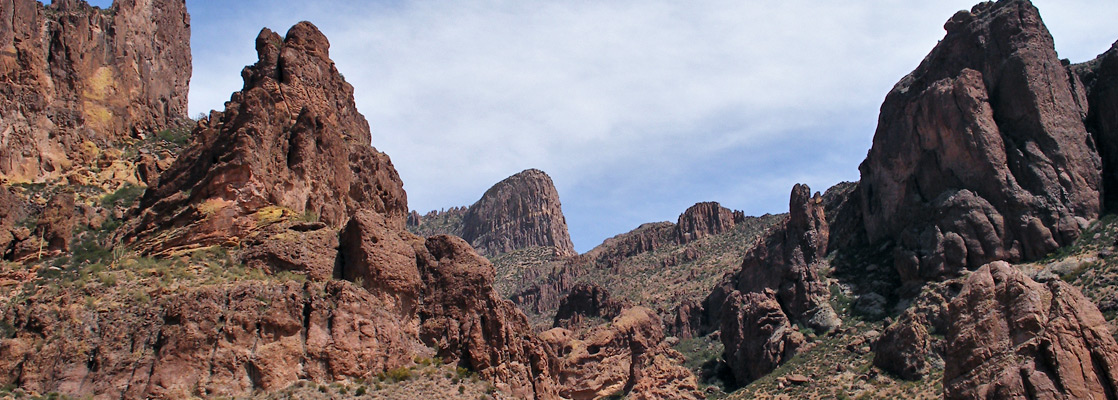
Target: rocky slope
(655, 265)
(75, 79)
(518, 212)
(981, 153)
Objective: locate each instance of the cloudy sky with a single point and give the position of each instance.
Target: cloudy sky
(637, 109)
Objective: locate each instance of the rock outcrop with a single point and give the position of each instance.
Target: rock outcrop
(629, 356)
(464, 320)
(1012, 337)
(287, 176)
(758, 336)
(75, 78)
(585, 300)
(291, 139)
(778, 285)
(1100, 80)
(704, 219)
(223, 340)
(981, 153)
(518, 212)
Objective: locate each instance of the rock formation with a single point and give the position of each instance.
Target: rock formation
(628, 356)
(1012, 337)
(981, 153)
(208, 341)
(291, 138)
(585, 300)
(758, 336)
(464, 320)
(518, 212)
(1099, 78)
(287, 175)
(703, 219)
(778, 285)
(74, 78)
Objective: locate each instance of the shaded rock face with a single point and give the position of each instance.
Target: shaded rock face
(466, 322)
(778, 285)
(213, 341)
(981, 153)
(585, 300)
(757, 335)
(291, 138)
(1100, 80)
(1012, 337)
(72, 76)
(627, 356)
(519, 212)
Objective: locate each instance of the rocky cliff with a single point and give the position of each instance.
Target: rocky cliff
(290, 141)
(1100, 81)
(518, 212)
(285, 182)
(778, 285)
(75, 78)
(981, 153)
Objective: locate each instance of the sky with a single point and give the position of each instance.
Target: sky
(637, 109)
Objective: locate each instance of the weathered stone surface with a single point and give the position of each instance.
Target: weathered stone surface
(704, 219)
(57, 222)
(383, 258)
(291, 138)
(308, 248)
(981, 153)
(628, 356)
(904, 347)
(757, 335)
(210, 341)
(1099, 78)
(782, 272)
(585, 300)
(464, 320)
(1012, 337)
(73, 76)
(519, 212)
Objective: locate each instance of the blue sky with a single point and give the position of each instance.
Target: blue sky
(636, 108)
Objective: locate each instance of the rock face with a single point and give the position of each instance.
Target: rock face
(704, 219)
(521, 211)
(211, 341)
(628, 356)
(464, 320)
(585, 300)
(287, 175)
(757, 335)
(1012, 337)
(778, 285)
(1100, 79)
(74, 78)
(981, 153)
(291, 138)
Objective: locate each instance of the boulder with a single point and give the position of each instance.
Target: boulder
(1012, 337)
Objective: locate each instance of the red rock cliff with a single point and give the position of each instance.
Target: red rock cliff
(72, 74)
(981, 153)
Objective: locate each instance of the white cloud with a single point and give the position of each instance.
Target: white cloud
(637, 109)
